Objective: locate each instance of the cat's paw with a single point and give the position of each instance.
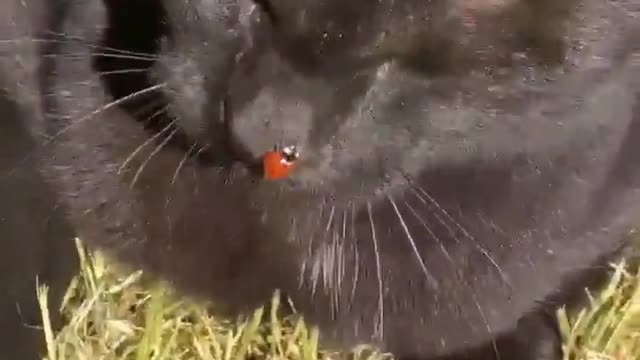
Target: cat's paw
(536, 337)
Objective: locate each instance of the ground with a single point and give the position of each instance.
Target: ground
(113, 313)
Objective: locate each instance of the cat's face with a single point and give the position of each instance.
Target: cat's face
(370, 95)
(431, 134)
(241, 78)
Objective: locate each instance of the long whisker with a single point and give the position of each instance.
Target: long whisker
(475, 298)
(24, 40)
(293, 238)
(328, 252)
(473, 240)
(87, 117)
(486, 324)
(320, 217)
(333, 270)
(104, 55)
(70, 39)
(443, 211)
(125, 71)
(379, 331)
(491, 224)
(428, 228)
(302, 274)
(430, 279)
(182, 162)
(437, 216)
(202, 149)
(156, 151)
(315, 272)
(168, 199)
(148, 56)
(105, 108)
(315, 267)
(341, 255)
(150, 140)
(337, 245)
(356, 253)
(330, 221)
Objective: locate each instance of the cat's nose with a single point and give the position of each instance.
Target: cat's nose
(239, 157)
(267, 122)
(226, 148)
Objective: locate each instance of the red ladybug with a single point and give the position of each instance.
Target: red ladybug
(278, 164)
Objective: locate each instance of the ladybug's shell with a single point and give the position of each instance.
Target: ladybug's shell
(274, 166)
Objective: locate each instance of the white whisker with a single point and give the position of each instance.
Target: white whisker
(148, 141)
(311, 252)
(103, 55)
(33, 40)
(330, 221)
(184, 159)
(428, 228)
(379, 329)
(341, 257)
(486, 323)
(156, 151)
(303, 270)
(430, 279)
(442, 222)
(70, 38)
(202, 149)
(328, 265)
(105, 108)
(476, 245)
(138, 55)
(316, 225)
(315, 273)
(356, 254)
(124, 71)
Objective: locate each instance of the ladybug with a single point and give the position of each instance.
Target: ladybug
(278, 164)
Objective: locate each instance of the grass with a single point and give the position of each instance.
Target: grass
(112, 313)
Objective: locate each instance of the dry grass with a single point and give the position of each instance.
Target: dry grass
(114, 314)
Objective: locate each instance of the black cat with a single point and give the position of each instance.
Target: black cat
(463, 168)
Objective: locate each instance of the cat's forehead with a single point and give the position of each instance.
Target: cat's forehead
(362, 26)
(303, 15)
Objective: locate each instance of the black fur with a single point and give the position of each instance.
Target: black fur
(457, 181)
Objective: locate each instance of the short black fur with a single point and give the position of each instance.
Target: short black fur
(458, 179)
